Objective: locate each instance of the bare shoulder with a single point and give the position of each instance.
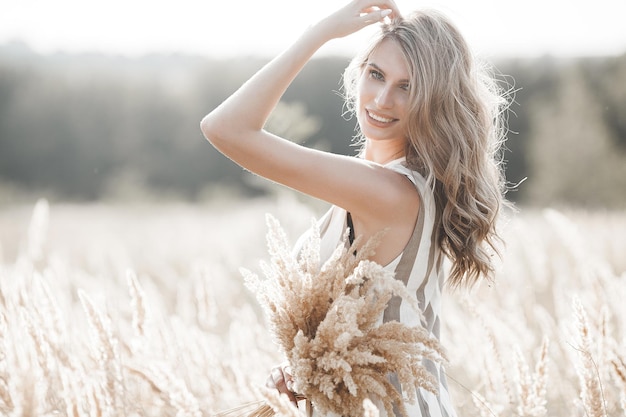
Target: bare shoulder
(394, 209)
(396, 200)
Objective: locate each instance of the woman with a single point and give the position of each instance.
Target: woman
(427, 172)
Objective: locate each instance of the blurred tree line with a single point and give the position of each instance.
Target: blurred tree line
(86, 127)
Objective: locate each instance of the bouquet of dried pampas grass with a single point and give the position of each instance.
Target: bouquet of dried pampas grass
(327, 321)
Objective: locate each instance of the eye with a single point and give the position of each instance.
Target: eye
(405, 87)
(377, 75)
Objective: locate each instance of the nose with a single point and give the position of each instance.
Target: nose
(384, 98)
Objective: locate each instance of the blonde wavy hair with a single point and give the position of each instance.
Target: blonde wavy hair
(454, 136)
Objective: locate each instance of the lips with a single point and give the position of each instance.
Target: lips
(379, 119)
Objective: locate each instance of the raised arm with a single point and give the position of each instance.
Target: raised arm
(247, 110)
(235, 127)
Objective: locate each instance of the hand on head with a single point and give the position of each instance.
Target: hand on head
(357, 15)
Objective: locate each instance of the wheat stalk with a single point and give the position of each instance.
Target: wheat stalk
(591, 388)
(619, 375)
(37, 230)
(107, 355)
(5, 392)
(532, 388)
(524, 383)
(484, 407)
(539, 389)
(179, 396)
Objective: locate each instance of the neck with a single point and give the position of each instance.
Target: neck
(382, 153)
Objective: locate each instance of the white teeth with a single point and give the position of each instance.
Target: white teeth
(379, 118)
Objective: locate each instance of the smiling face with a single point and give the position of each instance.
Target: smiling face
(383, 95)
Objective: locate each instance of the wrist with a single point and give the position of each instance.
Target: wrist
(313, 38)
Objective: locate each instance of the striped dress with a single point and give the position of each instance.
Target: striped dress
(419, 266)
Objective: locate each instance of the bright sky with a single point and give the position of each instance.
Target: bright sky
(264, 27)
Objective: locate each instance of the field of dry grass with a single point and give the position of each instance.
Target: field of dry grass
(141, 311)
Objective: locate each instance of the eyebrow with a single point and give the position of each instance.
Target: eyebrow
(371, 64)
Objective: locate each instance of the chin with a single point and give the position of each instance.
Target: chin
(371, 134)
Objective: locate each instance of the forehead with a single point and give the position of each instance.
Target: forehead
(388, 57)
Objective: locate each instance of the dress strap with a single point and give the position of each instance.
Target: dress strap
(406, 263)
(403, 272)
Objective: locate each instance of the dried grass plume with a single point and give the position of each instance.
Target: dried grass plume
(326, 319)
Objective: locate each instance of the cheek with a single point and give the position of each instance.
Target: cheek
(403, 103)
(363, 89)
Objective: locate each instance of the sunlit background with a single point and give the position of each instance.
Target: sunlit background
(117, 215)
(529, 28)
(101, 100)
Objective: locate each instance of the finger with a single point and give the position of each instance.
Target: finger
(384, 5)
(281, 384)
(275, 374)
(395, 10)
(288, 375)
(376, 15)
(279, 380)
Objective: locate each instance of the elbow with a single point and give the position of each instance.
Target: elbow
(221, 131)
(210, 128)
